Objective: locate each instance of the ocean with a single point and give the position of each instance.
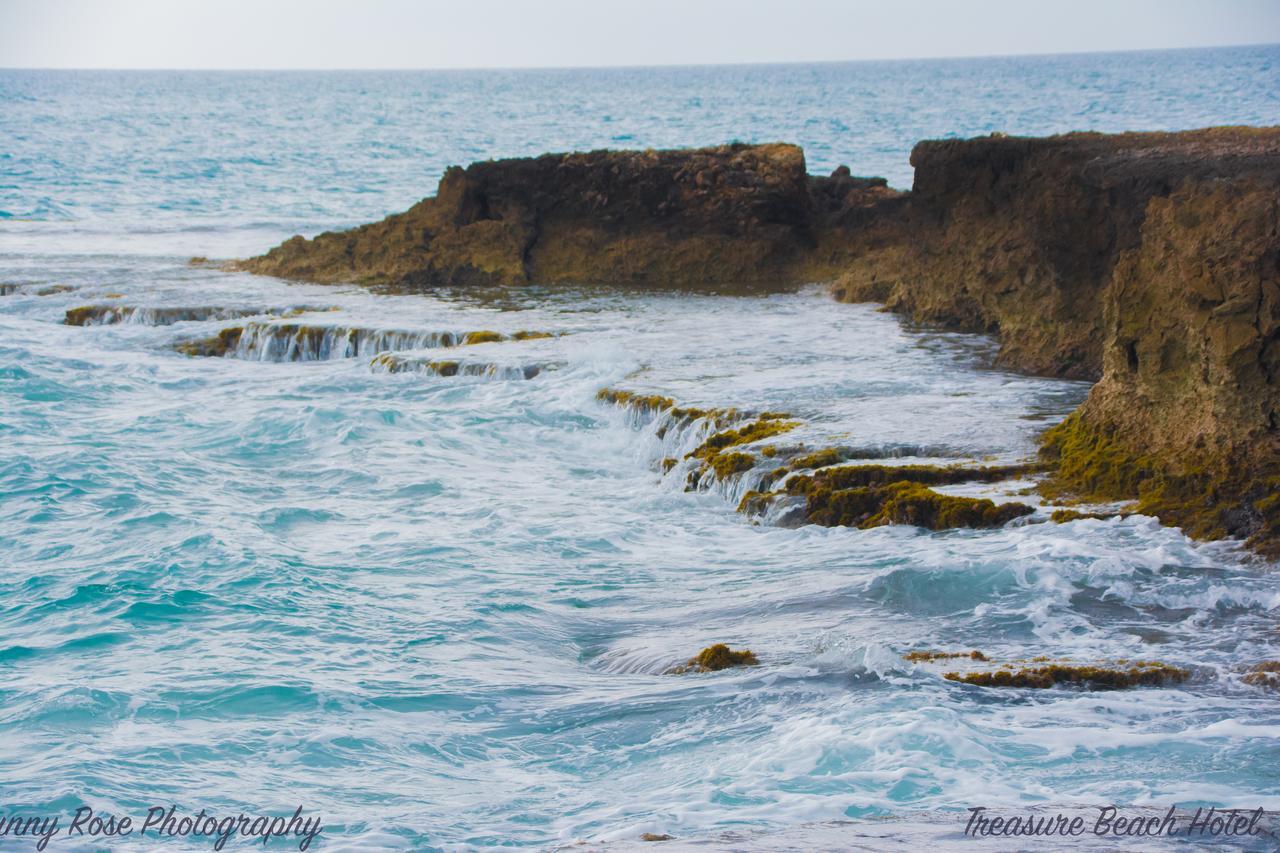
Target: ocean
(438, 611)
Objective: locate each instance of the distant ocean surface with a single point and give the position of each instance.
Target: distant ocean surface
(437, 610)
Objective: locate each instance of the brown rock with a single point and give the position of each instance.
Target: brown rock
(1149, 261)
(736, 213)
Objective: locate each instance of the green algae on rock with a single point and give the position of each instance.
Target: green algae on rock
(848, 495)
(653, 404)
(716, 453)
(850, 476)
(818, 459)
(715, 658)
(1062, 516)
(94, 315)
(84, 314)
(905, 502)
(1209, 493)
(482, 337)
(873, 495)
(1138, 674)
(391, 362)
(755, 502)
(215, 347)
(1265, 674)
(923, 657)
(645, 402)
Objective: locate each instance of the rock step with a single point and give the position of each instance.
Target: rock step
(105, 315)
(282, 342)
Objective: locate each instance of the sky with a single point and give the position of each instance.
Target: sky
(272, 34)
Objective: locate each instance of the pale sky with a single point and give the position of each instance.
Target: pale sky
(270, 34)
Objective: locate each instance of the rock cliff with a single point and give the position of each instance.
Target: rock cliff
(1150, 262)
(736, 213)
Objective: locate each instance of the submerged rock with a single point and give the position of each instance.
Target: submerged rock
(1265, 674)
(1139, 674)
(873, 495)
(905, 502)
(1062, 516)
(102, 315)
(222, 344)
(921, 657)
(274, 341)
(394, 363)
(731, 214)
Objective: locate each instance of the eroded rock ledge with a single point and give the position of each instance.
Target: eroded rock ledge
(736, 214)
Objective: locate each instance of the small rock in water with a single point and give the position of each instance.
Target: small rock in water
(1265, 674)
(717, 657)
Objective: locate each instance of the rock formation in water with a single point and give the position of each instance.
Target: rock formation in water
(732, 214)
(1147, 261)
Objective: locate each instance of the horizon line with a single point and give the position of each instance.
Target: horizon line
(637, 67)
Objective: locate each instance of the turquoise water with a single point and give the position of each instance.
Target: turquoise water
(437, 610)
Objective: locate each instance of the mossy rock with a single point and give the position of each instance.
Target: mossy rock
(716, 453)
(817, 459)
(764, 426)
(219, 345)
(1210, 496)
(482, 337)
(444, 368)
(1140, 674)
(1265, 675)
(906, 503)
(649, 403)
(83, 315)
(526, 335)
(1062, 516)
(717, 657)
(850, 476)
(923, 657)
(728, 464)
(755, 502)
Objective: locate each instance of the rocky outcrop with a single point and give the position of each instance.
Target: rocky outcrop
(732, 214)
(1021, 236)
(1150, 262)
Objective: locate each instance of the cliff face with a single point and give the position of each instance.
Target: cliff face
(735, 213)
(1020, 236)
(1185, 417)
(1148, 261)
